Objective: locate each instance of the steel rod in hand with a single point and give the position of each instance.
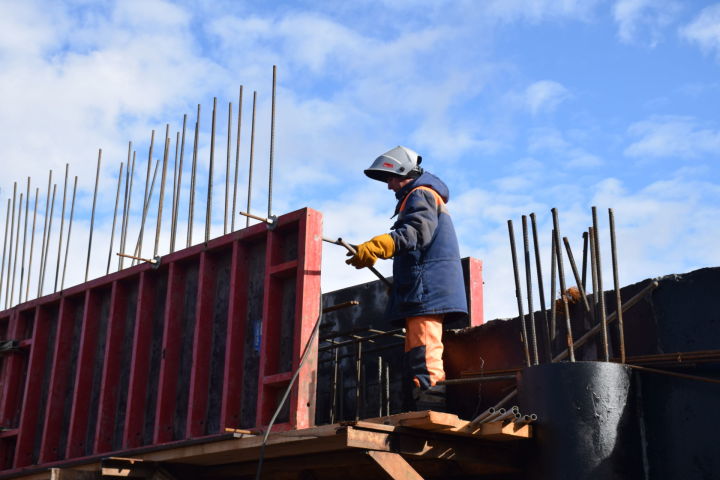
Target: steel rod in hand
(563, 290)
(616, 282)
(528, 287)
(352, 250)
(518, 294)
(601, 293)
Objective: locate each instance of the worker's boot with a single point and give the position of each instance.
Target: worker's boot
(432, 398)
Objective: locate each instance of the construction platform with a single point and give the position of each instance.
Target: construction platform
(413, 445)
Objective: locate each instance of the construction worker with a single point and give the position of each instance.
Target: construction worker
(428, 281)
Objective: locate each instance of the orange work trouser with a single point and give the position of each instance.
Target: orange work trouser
(424, 349)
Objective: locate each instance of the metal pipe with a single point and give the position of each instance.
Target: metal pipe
(487, 413)
(22, 260)
(601, 292)
(45, 225)
(146, 206)
(491, 418)
(174, 191)
(563, 290)
(146, 195)
(525, 419)
(675, 374)
(611, 318)
(486, 378)
(227, 168)
(10, 251)
(47, 244)
(352, 250)
(2, 264)
(576, 274)
(340, 306)
(518, 293)
(191, 203)
(112, 230)
(387, 388)
(252, 156)
(272, 142)
(358, 372)
(62, 228)
(616, 282)
(125, 213)
(593, 272)
(541, 288)
(17, 249)
(67, 245)
(553, 292)
(528, 283)
(32, 246)
(509, 415)
(173, 235)
(92, 215)
(380, 389)
(333, 390)
(584, 260)
(158, 224)
(208, 204)
(237, 160)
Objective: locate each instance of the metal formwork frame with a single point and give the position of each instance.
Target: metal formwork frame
(150, 355)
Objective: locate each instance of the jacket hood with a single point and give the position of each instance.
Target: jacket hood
(427, 179)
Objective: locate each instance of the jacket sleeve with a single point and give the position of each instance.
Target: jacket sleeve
(416, 224)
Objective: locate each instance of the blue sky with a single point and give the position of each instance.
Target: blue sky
(520, 106)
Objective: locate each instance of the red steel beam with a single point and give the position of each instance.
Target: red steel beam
(475, 291)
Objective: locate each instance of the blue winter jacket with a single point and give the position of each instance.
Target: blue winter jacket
(427, 275)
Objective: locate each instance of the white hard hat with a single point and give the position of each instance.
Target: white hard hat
(400, 161)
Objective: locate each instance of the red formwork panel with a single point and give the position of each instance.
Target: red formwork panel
(208, 339)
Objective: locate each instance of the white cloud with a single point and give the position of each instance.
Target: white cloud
(705, 30)
(672, 136)
(545, 96)
(644, 20)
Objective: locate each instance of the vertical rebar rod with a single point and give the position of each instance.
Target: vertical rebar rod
(2, 265)
(45, 225)
(158, 224)
(112, 230)
(601, 293)
(237, 161)
(616, 282)
(174, 190)
(584, 260)
(553, 291)
(518, 294)
(252, 156)
(358, 378)
(146, 196)
(146, 205)
(10, 251)
(123, 239)
(541, 287)
(191, 204)
(333, 390)
(576, 274)
(563, 290)
(379, 383)
(92, 215)
(32, 245)
(528, 286)
(211, 168)
(46, 253)
(272, 143)
(387, 388)
(173, 234)
(67, 244)
(62, 228)
(227, 168)
(593, 272)
(22, 259)
(17, 247)
(125, 212)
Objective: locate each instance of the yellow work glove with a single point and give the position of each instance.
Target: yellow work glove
(382, 246)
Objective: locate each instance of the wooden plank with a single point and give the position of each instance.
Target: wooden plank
(72, 474)
(394, 465)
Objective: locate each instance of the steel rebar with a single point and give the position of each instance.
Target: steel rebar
(92, 215)
(528, 286)
(126, 220)
(237, 160)
(227, 168)
(481, 379)
(191, 203)
(146, 207)
(333, 390)
(17, 248)
(46, 253)
(67, 244)
(358, 378)
(22, 259)
(158, 224)
(10, 251)
(380, 389)
(32, 246)
(576, 274)
(146, 194)
(174, 190)
(173, 235)
(252, 156)
(129, 171)
(553, 292)
(272, 141)
(386, 387)
(593, 271)
(2, 264)
(211, 167)
(62, 229)
(584, 260)
(541, 287)
(601, 292)
(518, 293)
(112, 230)
(616, 282)
(563, 290)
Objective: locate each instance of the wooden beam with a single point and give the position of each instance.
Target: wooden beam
(394, 465)
(71, 474)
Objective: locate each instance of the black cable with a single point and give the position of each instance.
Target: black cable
(304, 357)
